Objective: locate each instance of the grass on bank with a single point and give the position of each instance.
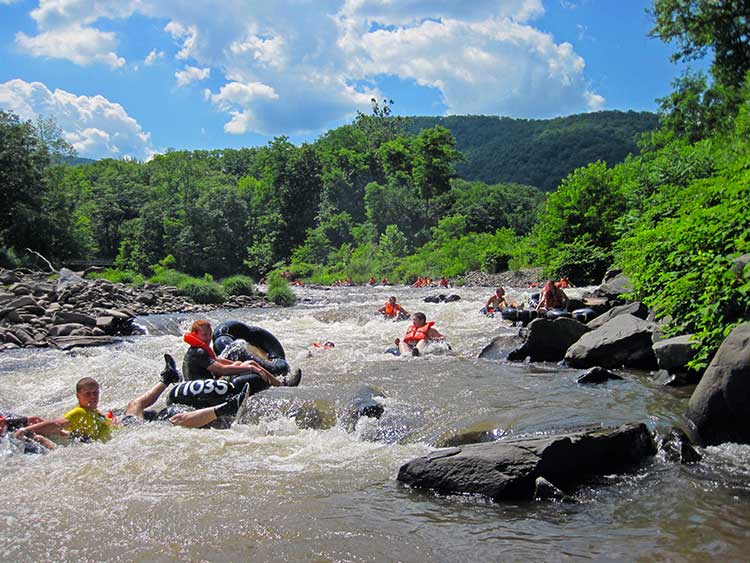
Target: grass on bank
(200, 290)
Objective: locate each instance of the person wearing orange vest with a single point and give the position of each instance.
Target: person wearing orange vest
(418, 335)
(392, 310)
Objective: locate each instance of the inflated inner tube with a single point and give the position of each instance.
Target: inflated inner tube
(583, 315)
(202, 393)
(510, 314)
(558, 313)
(262, 346)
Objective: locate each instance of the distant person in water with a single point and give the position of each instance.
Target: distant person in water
(372, 281)
(443, 282)
(551, 297)
(495, 302)
(392, 310)
(418, 335)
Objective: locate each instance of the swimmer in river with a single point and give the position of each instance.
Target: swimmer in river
(418, 335)
(392, 310)
(86, 422)
(495, 302)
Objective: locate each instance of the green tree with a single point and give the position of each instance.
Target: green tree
(698, 27)
(434, 157)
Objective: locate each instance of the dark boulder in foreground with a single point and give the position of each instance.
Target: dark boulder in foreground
(547, 341)
(508, 469)
(623, 341)
(720, 406)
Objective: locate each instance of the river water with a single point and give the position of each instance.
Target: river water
(272, 489)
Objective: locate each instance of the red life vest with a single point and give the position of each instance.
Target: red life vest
(414, 334)
(392, 310)
(193, 340)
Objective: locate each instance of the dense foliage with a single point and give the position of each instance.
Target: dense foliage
(539, 152)
(401, 198)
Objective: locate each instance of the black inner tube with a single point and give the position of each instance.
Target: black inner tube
(257, 336)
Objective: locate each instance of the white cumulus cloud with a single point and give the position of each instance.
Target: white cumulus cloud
(95, 126)
(293, 66)
(81, 45)
(191, 74)
(153, 56)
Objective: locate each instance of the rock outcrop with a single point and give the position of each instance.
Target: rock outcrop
(547, 341)
(719, 406)
(623, 341)
(36, 311)
(509, 469)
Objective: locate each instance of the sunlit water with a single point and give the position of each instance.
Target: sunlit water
(271, 491)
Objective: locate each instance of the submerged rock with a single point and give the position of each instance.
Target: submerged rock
(478, 433)
(500, 346)
(678, 448)
(363, 403)
(508, 469)
(597, 375)
(720, 404)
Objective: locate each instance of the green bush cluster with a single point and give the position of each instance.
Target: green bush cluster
(202, 291)
(239, 285)
(278, 290)
(119, 276)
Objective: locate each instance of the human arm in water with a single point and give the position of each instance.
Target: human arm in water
(223, 367)
(52, 427)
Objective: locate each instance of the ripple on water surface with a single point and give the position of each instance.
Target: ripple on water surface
(272, 491)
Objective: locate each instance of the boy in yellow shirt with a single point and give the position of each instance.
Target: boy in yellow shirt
(85, 422)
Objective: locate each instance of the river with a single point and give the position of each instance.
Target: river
(269, 490)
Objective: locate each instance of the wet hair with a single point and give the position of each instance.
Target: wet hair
(197, 325)
(499, 289)
(421, 316)
(392, 297)
(86, 382)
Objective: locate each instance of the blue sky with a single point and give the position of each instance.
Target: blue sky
(136, 77)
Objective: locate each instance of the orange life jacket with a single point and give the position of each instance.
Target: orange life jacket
(392, 310)
(193, 340)
(414, 334)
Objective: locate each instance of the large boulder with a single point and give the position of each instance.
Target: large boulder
(635, 308)
(623, 341)
(614, 288)
(508, 469)
(547, 341)
(719, 409)
(500, 346)
(673, 354)
(66, 317)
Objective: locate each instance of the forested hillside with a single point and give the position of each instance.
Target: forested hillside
(539, 152)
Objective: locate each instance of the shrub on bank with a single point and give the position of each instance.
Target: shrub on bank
(278, 290)
(119, 276)
(202, 291)
(239, 285)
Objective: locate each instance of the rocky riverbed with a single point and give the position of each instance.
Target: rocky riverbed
(67, 310)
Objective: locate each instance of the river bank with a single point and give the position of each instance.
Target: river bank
(67, 310)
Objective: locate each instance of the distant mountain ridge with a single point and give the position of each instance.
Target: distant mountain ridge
(539, 152)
